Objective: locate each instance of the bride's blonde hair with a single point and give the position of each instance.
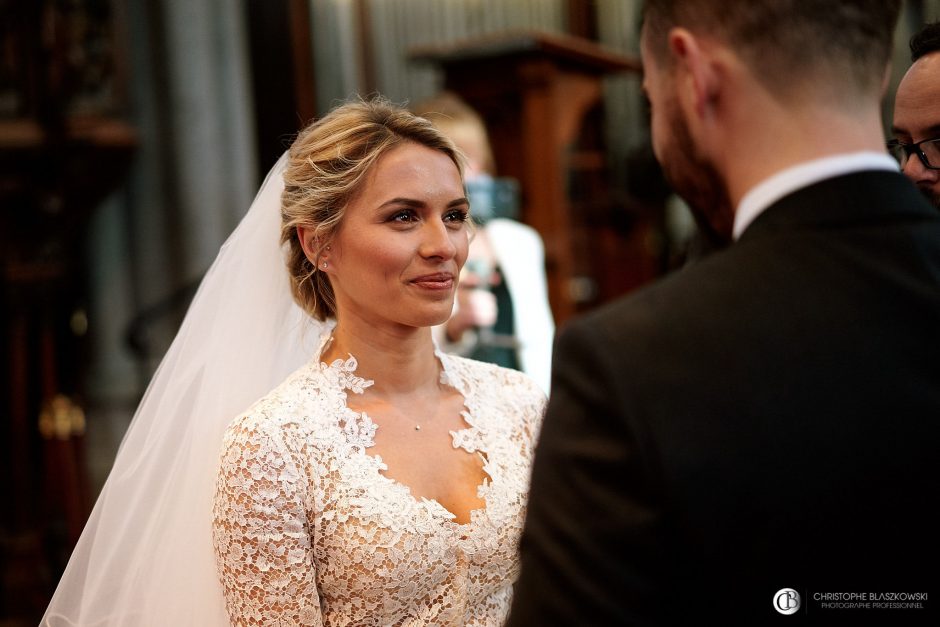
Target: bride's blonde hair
(327, 164)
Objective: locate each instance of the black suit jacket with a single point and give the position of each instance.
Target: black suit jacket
(766, 418)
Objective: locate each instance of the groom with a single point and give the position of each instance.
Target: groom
(769, 417)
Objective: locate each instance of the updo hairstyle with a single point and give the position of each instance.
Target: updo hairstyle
(326, 166)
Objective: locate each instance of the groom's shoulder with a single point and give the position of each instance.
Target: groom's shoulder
(704, 286)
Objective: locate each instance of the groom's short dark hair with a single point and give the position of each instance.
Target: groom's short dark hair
(786, 41)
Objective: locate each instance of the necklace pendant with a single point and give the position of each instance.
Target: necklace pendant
(417, 427)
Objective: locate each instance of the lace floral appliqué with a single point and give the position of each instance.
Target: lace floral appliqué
(307, 531)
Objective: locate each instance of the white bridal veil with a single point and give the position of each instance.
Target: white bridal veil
(145, 556)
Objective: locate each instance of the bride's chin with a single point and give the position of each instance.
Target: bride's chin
(434, 317)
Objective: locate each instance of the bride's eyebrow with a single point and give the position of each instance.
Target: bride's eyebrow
(416, 204)
(408, 202)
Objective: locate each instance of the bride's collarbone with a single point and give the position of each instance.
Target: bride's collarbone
(416, 445)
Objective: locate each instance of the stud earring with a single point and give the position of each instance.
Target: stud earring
(324, 265)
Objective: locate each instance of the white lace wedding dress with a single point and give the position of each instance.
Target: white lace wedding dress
(308, 531)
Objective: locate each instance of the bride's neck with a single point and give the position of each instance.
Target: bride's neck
(399, 361)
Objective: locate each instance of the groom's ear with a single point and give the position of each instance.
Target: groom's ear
(699, 78)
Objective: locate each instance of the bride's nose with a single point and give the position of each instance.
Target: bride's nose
(436, 241)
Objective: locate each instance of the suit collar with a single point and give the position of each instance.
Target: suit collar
(775, 187)
(850, 199)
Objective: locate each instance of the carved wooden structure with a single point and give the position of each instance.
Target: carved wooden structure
(539, 94)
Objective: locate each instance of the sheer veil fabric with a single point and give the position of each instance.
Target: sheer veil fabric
(145, 556)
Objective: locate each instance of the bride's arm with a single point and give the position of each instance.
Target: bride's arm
(260, 531)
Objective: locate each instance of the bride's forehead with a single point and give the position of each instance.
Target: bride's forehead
(411, 158)
(412, 167)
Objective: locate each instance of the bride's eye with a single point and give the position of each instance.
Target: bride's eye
(457, 215)
(405, 215)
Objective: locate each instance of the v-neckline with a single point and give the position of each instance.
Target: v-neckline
(348, 380)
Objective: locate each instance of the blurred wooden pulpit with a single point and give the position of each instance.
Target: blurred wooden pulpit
(535, 90)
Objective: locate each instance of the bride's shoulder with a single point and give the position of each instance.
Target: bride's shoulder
(508, 401)
(497, 381)
(298, 406)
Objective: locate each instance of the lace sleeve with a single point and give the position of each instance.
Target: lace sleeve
(260, 532)
(531, 402)
(533, 415)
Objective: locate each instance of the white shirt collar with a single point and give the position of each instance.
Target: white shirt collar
(772, 189)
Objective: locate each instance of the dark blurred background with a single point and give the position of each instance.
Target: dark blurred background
(134, 133)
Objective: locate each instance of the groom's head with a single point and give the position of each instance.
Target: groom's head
(708, 63)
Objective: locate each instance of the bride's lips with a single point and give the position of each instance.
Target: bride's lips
(436, 281)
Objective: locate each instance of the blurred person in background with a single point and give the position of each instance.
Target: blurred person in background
(916, 126)
(502, 314)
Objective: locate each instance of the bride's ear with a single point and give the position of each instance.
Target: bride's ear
(309, 242)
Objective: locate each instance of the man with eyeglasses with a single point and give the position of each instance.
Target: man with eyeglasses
(916, 127)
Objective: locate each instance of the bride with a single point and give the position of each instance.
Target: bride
(381, 482)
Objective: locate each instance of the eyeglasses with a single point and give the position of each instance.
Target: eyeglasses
(927, 150)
